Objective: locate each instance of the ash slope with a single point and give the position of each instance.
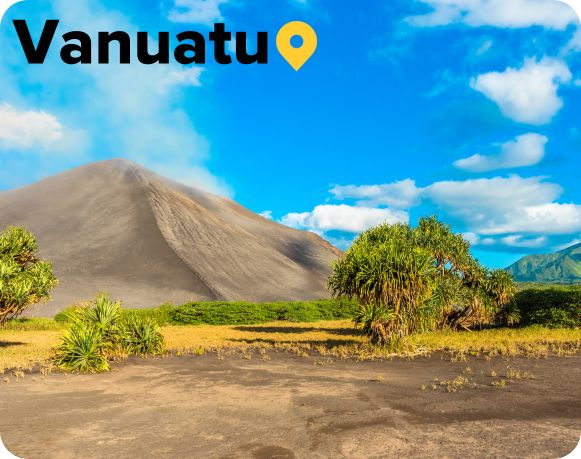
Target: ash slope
(114, 226)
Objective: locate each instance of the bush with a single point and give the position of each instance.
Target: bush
(242, 313)
(555, 306)
(103, 332)
(141, 337)
(82, 350)
(159, 315)
(24, 279)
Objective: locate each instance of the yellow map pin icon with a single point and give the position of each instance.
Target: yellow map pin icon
(296, 57)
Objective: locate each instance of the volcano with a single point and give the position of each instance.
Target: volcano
(116, 227)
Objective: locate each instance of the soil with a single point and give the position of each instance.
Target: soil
(285, 406)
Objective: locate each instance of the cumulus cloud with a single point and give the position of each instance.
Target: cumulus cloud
(497, 13)
(21, 129)
(518, 240)
(351, 219)
(197, 11)
(529, 94)
(525, 150)
(508, 211)
(134, 111)
(490, 202)
(181, 77)
(574, 45)
(402, 194)
(550, 218)
(266, 214)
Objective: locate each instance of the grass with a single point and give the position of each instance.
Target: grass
(242, 313)
(28, 342)
(503, 341)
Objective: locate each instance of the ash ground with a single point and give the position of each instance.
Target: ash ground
(286, 406)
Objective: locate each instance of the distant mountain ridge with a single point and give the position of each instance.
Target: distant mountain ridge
(562, 267)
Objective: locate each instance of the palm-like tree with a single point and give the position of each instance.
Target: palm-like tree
(391, 278)
(409, 279)
(24, 279)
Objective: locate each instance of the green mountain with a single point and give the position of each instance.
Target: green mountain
(562, 267)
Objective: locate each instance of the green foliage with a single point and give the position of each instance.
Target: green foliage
(236, 312)
(103, 332)
(562, 267)
(82, 351)
(386, 270)
(32, 324)
(24, 279)
(141, 337)
(417, 279)
(555, 306)
(242, 313)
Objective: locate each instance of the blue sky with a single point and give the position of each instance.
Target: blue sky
(468, 109)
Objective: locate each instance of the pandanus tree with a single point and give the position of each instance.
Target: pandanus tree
(392, 279)
(410, 279)
(24, 279)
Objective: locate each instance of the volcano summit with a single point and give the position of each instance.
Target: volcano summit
(114, 226)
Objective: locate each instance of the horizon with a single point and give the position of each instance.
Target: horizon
(413, 115)
(133, 163)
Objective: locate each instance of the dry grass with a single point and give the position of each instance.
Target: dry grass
(25, 349)
(332, 333)
(533, 341)
(25, 346)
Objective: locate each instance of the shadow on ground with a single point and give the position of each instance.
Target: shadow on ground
(10, 343)
(296, 330)
(330, 343)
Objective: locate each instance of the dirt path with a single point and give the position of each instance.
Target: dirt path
(300, 407)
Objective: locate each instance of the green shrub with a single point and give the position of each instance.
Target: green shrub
(32, 324)
(160, 315)
(103, 332)
(24, 279)
(82, 350)
(141, 337)
(242, 313)
(555, 306)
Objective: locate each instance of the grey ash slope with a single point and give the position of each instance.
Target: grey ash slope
(114, 226)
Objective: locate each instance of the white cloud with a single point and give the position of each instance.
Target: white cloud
(134, 111)
(529, 94)
(497, 13)
(490, 202)
(525, 150)
(197, 11)
(550, 218)
(518, 240)
(27, 129)
(342, 217)
(574, 44)
(181, 77)
(566, 245)
(402, 194)
(266, 214)
(501, 211)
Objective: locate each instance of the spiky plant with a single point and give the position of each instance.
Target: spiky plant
(105, 317)
(417, 279)
(103, 332)
(141, 337)
(371, 319)
(24, 279)
(82, 350)
(391, 276)
(509, 314)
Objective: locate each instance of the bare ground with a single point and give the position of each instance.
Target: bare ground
(290, 406)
